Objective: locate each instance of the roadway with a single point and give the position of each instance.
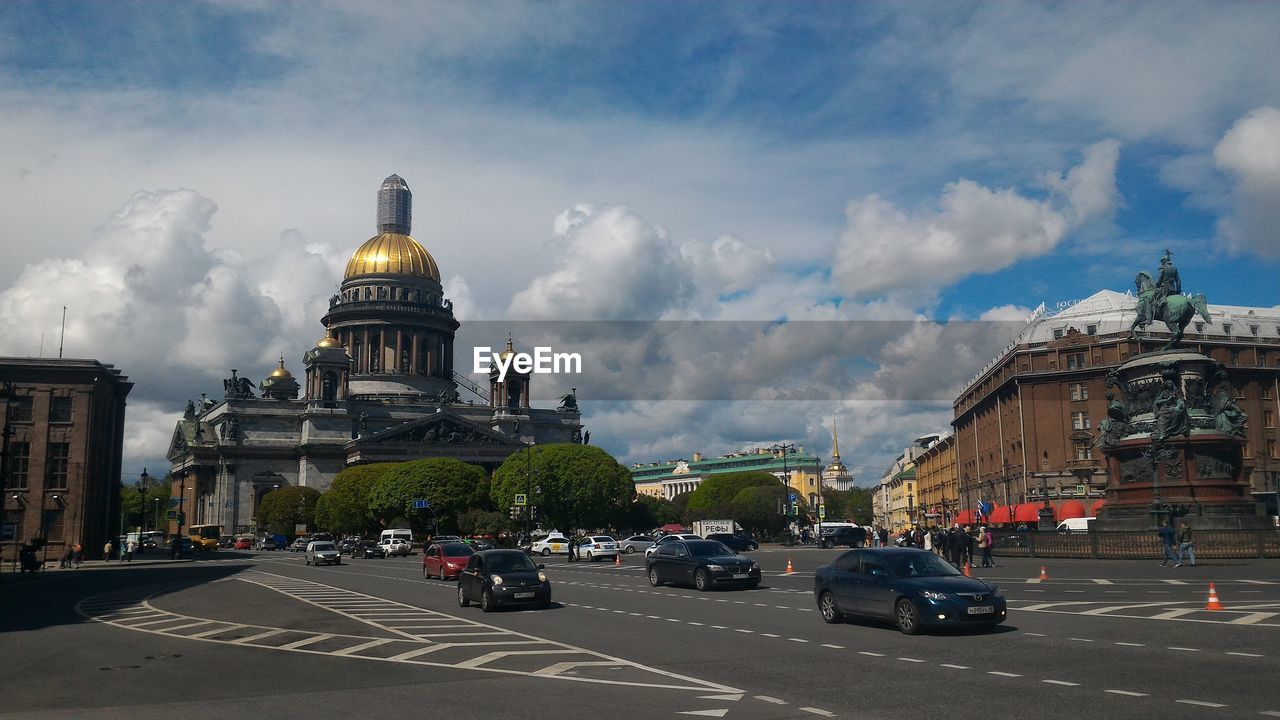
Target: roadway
(252, 633)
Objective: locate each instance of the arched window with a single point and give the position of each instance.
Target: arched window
(329, 389)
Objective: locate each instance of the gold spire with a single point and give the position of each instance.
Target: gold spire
(511, 350)
(835, 442)
(281, 372)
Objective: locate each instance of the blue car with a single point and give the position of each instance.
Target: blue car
(915, 589)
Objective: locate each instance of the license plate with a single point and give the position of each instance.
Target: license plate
(981, 610)
(522, 596)
(741, 576)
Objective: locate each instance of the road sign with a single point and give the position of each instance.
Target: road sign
(793, 497)
(822, 512)
(795, 508)
(421, 504)
(172, 514)
(522, 499)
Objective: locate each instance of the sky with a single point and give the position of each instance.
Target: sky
(833, 212)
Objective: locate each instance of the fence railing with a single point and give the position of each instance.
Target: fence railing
(1211, 544)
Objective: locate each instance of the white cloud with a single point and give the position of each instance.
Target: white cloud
(972, 229)
(1250, 154)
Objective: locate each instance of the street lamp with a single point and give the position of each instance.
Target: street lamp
(784, 448)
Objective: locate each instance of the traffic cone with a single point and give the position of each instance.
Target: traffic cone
(617, 560)
(966, 570)
(790, 570)
(1044, 575)
(1214, 604)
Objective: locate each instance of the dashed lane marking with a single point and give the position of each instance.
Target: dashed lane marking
(774, 700)
(1201, 703)
(1003, 674)
(818, 711)
(954, 667)
(1126, 693)
(1061, 682)
(1245, 654)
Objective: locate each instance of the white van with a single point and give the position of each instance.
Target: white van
(1075, 524)
(404, 534)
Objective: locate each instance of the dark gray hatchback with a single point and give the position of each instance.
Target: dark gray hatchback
(494, 578)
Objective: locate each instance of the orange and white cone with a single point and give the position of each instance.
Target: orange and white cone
(1214, 603)
(790, 570)
(617, 560)
(1044, 575)
(966, 570)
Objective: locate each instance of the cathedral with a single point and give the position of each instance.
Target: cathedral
(380, 386)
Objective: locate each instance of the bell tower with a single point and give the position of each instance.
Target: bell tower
(328, 371)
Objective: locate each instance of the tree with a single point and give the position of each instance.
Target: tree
(573, 486)
(450, 486)
(138, 509)
(284, 508)
(713, 498)
(483, 522)
(344, 508)
(853, 504)
(678, 511)
(755, 508)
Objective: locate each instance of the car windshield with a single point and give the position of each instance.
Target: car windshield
(509, 562)
(707, 548)
(921, 564)
(458, 550)
(602, 538)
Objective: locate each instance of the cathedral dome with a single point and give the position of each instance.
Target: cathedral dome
(328, 341)
(281, 372)
(392, 253)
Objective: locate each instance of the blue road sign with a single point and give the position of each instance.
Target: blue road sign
(793, 497)
(421, 504)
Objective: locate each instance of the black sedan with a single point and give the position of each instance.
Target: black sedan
(736, 543)
(705, 564)
(366, 550)
(502, 577)
(914, 588)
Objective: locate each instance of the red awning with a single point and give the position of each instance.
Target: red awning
(1069, 509)
(1097, 505)
(1001, 515)
(678, 528)
(1027, 512)
(965, 517)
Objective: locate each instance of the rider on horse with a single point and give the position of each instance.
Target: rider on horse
(1162, 299)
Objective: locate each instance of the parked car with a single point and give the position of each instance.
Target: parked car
(636, 543)
(557, 544)
(479, 544)
(244, 544)
(226, 541)
(299, 545)
(704, 564)
(853, 537)
(323, 551)
(346, 545)
(268, 543)
(366, 550)
(736, 543)
(445, 560)
(915, 589)
(395, 546)
(673, 537)
(494, 578)
(594, 547)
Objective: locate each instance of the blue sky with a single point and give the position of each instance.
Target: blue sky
(742, 161)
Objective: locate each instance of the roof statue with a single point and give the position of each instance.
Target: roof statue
(1162, 299)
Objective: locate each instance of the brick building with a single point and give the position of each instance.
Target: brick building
(63, 422)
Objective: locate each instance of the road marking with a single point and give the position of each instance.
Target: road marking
(216, 631)
(1174, 582)
(799, 640)
(1201, 703)
(955, 667)
(833, 647)
(768, 699)
(1245, 654)
(733, 697)
(1061, 682)
(1080, 639)
(1033, 581)
(1126, 693)
(817, 711)
(1035, 634)
(695, 623)
(770, 635)
(1269, 713)
(871, 654)
(259, 636)
(1103, 582)
(719, 712)
(363, 646)
(1129, 644)
(1184, 649)
(1003, 674)
(912, 660)
(743, 631)
(1252, 618)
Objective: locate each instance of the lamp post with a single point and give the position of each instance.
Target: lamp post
(142, 506)
(784, 448)
(21, 501)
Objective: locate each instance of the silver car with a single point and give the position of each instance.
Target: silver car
(323, 551)
(636, 543)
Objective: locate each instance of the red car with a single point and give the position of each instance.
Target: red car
(446, 560)
(244, 544)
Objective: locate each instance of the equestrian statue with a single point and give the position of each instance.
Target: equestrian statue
(1162, 299)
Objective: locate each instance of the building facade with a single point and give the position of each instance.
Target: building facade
(936, 482)
(1025, 426)
(63, 430)
(380, 386)
(802, 472)
(897, 501)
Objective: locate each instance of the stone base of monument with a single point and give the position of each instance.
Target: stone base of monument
(1174, 447)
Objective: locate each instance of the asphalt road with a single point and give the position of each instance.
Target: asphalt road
(263, 635)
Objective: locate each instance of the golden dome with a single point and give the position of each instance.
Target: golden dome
(509, 351)
(328, 341)
(281, 372)
(392, 254)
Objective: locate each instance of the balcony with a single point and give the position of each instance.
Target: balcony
(1085, 464)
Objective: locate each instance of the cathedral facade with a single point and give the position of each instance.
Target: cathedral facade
(380, 386)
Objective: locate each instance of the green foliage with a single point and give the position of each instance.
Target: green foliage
(483, 522)
(572, 486)
(452, 488)
(678, 510)
(854, 504)
(283, 508)
(755, 508)
(344, 508)
(133, 504)
(713, 498)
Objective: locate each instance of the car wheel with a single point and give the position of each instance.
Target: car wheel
(906, 617)
(826, 545)
(462, 597)
(827, 606)
(701, 581)
(546, 552)
(486, 601)
(590, 557)
(629, 550)
(755, 585)
(307, 561)
(653, 577)
(425, 575)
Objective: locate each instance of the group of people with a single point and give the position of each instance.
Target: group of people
(1179, 546)
(957, 544)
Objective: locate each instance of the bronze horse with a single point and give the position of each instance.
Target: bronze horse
(1176, 311)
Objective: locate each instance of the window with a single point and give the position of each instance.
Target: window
(1082, 451)
(1075, 361)
(1199, 327)
(53, 522)
(19, 464)
(1226, 328)
(60, 409)
(1268, 418)
(1262, 357)
(1235, 357)
(1266, 392)
(1057, 333)
(1253, 330)
(1090, 329)
(21, 408)
(1079, 391)
(1271, 450)
(1079, 421)
(56, 465)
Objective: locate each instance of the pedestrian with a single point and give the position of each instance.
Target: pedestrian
(175, 547)
(1186, 546)
(107, 550)
(917, 537)
(77, 554)
(67, 557)
(928, 540)
(984, 545)
(130, 548)
(1168, 542)
(955, 545)
(968, 538)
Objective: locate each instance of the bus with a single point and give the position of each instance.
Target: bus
(204, 537)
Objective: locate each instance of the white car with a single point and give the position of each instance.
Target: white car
(669, 538)
(598, 546)
(557, 544)
(323, 551)
(395, 546)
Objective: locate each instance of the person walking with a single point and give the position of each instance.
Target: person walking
(130, 548)
(1168, 540)
(107, 550)
(1186, 546)
(984, 544)
(175, 547)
